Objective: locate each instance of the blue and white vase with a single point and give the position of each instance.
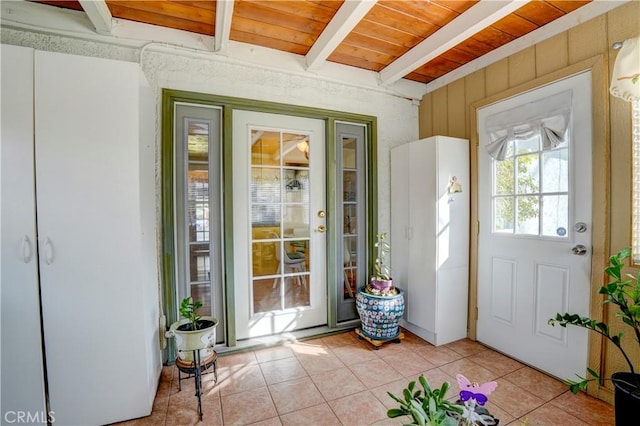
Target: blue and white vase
(380, 315)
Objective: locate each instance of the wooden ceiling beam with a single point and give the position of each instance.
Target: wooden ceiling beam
(99, 15)
(479, 16)
(224, 15)
(342, 23)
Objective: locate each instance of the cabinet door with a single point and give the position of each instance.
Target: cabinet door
(422, 257)
(22, 365)
(87, 174)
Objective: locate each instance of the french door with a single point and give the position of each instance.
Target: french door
(534, 250)
(279, 223)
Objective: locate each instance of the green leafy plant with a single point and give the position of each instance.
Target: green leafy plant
(429, 407)
(624, 293)
(189, 310)
(382, 269)
(426, 406)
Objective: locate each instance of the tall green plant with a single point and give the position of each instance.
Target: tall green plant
(624, 293)
(189, 310)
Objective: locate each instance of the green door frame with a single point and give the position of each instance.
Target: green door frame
(228, 104)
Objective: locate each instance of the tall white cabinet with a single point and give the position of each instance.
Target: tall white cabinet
(78, 227)
(430, 235)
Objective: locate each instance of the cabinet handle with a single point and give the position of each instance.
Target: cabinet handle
(48, 251)
(27, 250)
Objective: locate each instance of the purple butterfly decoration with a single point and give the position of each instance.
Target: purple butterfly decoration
(474, 391)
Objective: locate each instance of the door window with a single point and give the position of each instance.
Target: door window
(279, 206)
(531, 191)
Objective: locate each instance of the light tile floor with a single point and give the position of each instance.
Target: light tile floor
(339, 380)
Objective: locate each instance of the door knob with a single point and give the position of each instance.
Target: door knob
(579, 250)
(321, 228)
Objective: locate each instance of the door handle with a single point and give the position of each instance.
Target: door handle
(579, 250)
(27, 250)
(321, 228)
(48, 251)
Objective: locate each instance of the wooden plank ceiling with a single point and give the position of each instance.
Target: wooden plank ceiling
(389, 29)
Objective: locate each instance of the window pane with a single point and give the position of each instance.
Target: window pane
(198, 141)
(265, 215)
(265, 147)
(504, 178)
(295, 150)
(199, 269)
(504, 214)
(264, 258)
(265, 185)
(350, 180)
(296, 220)
(349, 153)
(350, 260)
(198, 202)
(266, 295)
(527, 174)
(555, 215)
(296, 291)
(527, 215)
(296, 186)
(555, 171)
(350, 218)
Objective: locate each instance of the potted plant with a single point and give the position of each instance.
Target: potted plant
(430, 406)
(381, 281)
(625, 294)
(379, 303)
(193, 332)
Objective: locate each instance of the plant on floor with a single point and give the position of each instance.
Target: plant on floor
(429, 407)
(379, 303)
(624, 292)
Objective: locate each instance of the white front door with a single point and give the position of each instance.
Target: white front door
(534, 209)
(278, 220)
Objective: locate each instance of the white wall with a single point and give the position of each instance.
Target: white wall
(184, 70)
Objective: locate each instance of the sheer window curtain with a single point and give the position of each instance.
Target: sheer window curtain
(625, 84)
(548, 117)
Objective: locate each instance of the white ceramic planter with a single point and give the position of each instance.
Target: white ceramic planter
(189, 341)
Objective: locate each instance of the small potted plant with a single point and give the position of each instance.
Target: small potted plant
(379, 303)
(193, 332)
(430, 406)
(625, 294)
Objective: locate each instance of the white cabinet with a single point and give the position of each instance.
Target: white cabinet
(430, 235)
(78, 226)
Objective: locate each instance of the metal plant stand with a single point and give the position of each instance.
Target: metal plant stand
(196, 369)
